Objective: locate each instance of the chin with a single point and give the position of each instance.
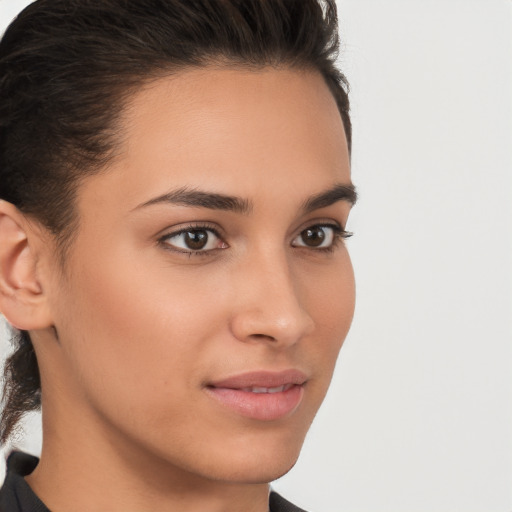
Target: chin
(262, 472)
(264, 464)
(254, 460)
(270, 476)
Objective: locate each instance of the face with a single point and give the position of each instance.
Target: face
(209, 289)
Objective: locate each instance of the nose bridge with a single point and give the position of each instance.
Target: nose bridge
(268, 300)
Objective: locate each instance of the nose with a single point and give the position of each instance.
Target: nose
(267, 304)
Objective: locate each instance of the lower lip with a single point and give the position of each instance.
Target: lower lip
(259, 406)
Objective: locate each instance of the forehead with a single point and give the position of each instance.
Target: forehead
(233, 131)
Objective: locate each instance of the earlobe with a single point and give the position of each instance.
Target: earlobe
(22, 299)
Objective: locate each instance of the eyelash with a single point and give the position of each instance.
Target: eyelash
(192, 227)
(339, 234)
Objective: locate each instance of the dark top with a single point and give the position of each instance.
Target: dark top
(17, 496)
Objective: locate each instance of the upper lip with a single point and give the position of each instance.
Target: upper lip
(263, 379)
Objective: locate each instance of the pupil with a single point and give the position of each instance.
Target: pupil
(196, 239)
(313, 237)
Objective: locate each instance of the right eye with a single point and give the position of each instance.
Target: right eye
(193, 240)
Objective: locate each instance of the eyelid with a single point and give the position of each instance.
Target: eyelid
(193, 226)
(339, 234)
(319, 222)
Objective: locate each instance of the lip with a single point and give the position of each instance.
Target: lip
(264, 379)
(235, 393)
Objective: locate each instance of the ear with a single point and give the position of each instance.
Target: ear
(22, 298)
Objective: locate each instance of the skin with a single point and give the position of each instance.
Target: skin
(132, 329)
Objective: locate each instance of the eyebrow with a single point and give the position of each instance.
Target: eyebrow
(337, 193)
(214, 201)
(196, 198)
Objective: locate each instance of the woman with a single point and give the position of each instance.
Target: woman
(175, 186)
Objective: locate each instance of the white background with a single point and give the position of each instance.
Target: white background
(419, 416)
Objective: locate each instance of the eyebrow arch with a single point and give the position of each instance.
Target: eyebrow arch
(337, 193)
(196, 198)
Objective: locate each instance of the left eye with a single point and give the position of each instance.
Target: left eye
(194, 240)
(317, 237)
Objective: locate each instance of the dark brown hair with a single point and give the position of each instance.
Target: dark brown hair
(67, 68)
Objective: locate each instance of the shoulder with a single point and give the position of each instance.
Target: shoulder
(279, 504)
(15, 494)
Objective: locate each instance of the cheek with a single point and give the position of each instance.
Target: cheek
(138, 331)
(329, 297)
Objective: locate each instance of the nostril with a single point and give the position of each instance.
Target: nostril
(263, 336)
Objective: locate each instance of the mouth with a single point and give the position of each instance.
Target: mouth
(262, 396)
(277, 389)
